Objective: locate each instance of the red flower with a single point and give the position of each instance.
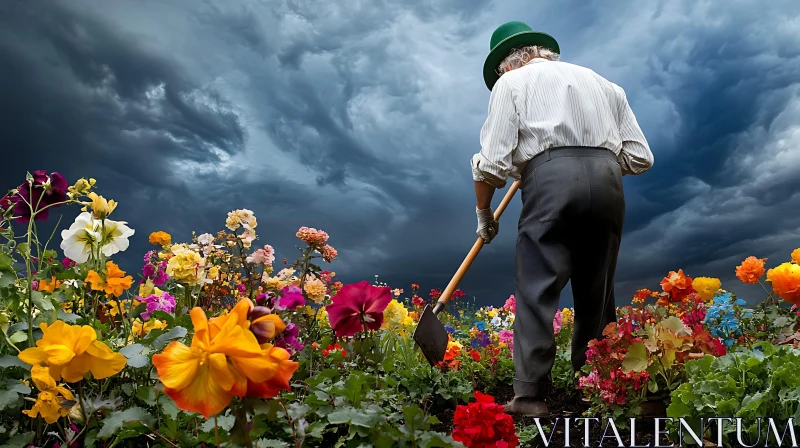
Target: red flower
(458, 294)
(418, 301)
(435, 294)
(357, 306)
(483, 424)
(475, 355)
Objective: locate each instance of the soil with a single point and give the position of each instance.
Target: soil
(564, 404)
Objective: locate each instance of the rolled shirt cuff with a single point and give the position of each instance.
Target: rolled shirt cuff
(479, 175)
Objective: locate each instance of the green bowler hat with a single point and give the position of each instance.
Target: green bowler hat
(507, 37)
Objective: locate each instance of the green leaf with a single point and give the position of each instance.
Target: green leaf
(147, 394)
(138, 310)
(271, 443)
(636, 358)
(12, 361)
(162, 316)
(175, 333)
(224, 422)
(6, 262)
(7, 278)
(24, 249)
(118, 419)
(40, 301)
(132, 350)
(18, 337)
(138, 361)
(23, 439)
(68, 317)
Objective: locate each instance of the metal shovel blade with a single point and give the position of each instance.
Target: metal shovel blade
(431, 336)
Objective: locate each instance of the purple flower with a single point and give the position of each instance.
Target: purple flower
(148, 270)
(289, 340)
(44, 190)
(66, 263)
(149, 256)
(291, 298)
(160, 278)
(164, 302)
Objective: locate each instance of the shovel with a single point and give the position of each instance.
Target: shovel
(430, 334)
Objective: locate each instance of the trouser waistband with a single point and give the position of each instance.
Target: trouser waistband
(568, 151)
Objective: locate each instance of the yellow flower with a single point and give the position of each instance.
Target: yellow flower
(309, 311)
(213, 273)
(115, 283)
(114, 306)
(322, 318)
(567, 316)
(71, 351)
(493, 312)
(160, 238)
(100, 206)
(316, 290)
(394, 315)
(48, 403)
(706, 287)
(146, 289)
(140, 329)
(186, 265)
(67, 306)
(796, 256)
(223, 361)
(81, 186)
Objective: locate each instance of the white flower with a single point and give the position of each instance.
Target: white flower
(205, 239)
(88, 234)
(115, 236)
(496, 321)
(80, 239)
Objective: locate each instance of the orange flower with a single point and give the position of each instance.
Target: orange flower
(49, 285)
(160, 238)
(224, 360)
(641, 295)
(750, 270)
(115, 283)
(796, 256)
(785, 281)
(678, 284)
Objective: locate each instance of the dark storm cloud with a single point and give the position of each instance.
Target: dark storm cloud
(82, 98)
(360, 118)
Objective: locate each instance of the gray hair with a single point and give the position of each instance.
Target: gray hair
(523, 55)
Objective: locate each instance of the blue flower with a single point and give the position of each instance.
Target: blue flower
(481, 325)
(449, 329)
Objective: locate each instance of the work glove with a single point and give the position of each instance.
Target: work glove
(487, 226)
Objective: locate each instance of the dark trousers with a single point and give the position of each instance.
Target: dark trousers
(573, 208)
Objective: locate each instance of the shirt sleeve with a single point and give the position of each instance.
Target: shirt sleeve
(635, 156)
(498, 138)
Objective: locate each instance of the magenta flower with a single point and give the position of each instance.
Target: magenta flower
(40, 193)
(558, 321)
(291, 298)
(357, 306)
(507, 336)
(288, 339)
(66, 263)
(511, 304)
(164, 302)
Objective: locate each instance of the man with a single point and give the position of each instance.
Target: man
(570, 136)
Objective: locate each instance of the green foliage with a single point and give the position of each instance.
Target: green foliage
(757, 382)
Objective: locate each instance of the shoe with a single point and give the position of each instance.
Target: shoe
(527, 407)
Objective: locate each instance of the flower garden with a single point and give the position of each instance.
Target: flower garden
(214, 342)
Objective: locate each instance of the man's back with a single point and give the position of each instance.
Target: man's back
(558, 104)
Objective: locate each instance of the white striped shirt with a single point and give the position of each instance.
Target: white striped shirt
(547, 104)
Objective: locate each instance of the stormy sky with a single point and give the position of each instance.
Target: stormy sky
(360, 118)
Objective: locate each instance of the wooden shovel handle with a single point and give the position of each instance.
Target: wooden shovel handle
(451, 287)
